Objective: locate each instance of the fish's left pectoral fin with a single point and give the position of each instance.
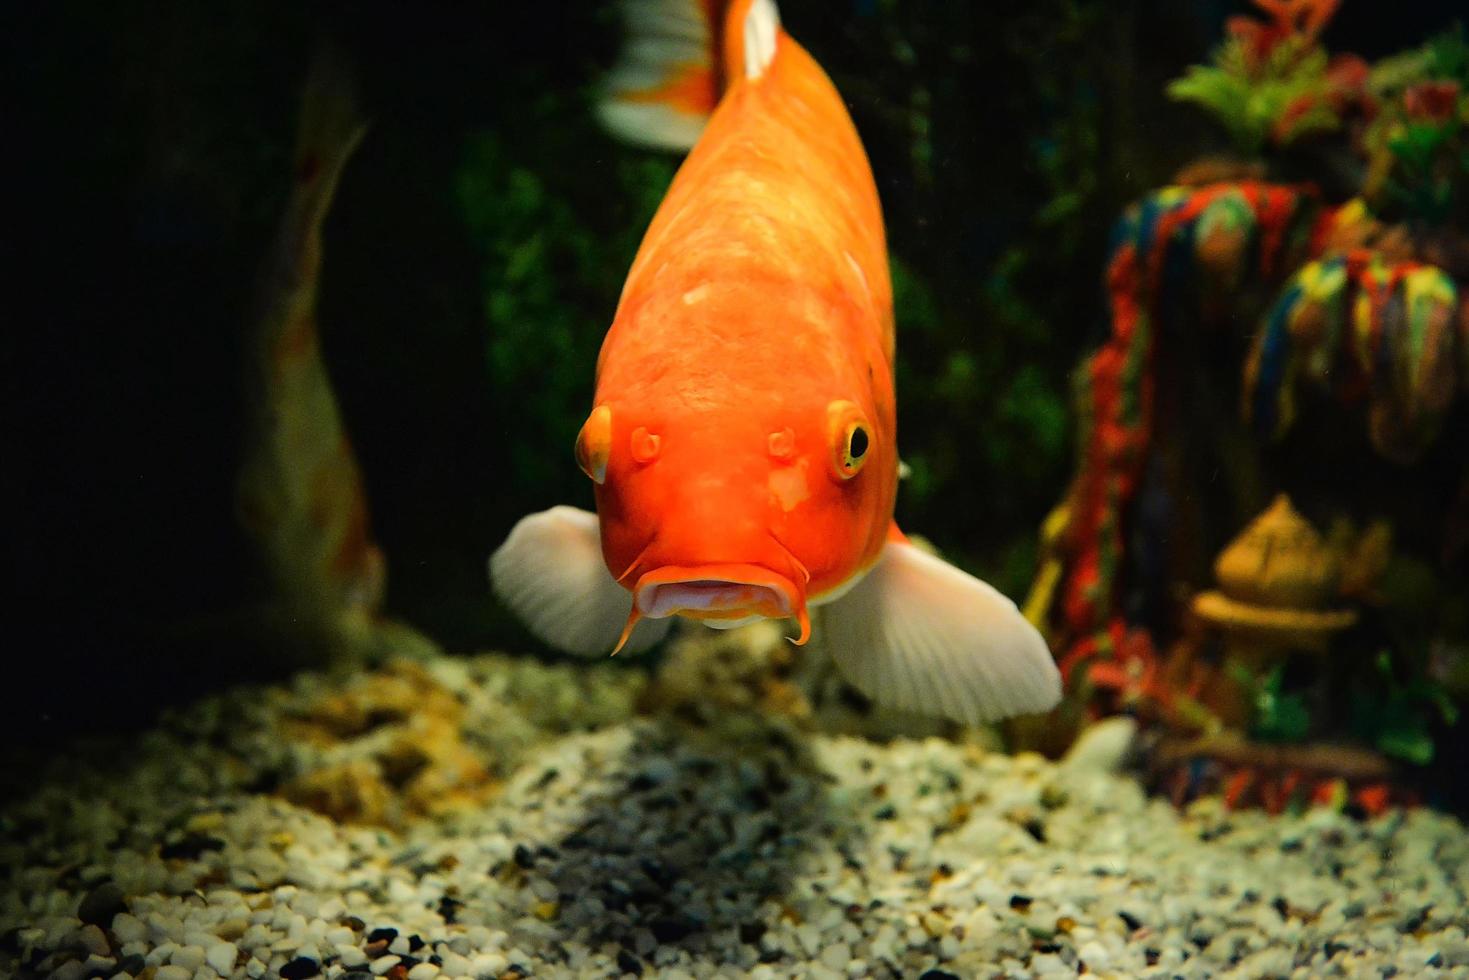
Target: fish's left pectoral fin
(921, 635)
(551, 574)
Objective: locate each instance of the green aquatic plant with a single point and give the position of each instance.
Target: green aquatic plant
(550, 284)
(1280, 715)
(1397, 716)
(1270, 82)
(1418, 147)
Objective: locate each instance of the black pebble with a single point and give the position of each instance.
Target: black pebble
(750, 932)
(524, 856)
(628, 963)
(1020, 902)
(100, 904)
(671, 930)
(358, 975)
(300, 968)
(1415, 921)
(1047, 947)
(1036, 828)
(408, 962)
(888, 812)
(191, 848)
(1130, 920)
(1281, 906)
(449, 909)
(937, 974)
(1151, 956)
(354, 923)
(382, 935)
(133, 964)
(1436, 960)
(1331, 949)
(415, 942)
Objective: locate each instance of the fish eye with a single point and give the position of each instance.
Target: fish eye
(594, 444)
(854, 451)
(851, 438)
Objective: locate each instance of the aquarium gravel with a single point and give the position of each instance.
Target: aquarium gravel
(531, 822)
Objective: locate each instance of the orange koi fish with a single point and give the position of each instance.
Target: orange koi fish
(743, 439)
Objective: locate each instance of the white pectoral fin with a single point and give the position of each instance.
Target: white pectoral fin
(919, 634)
(550, 573)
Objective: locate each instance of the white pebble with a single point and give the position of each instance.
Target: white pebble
(383, 964)
(128, 928)
(188, 957)
(350, 955)
(70, 970)
(93, 940)
(221, 957)
(836, 956)
(173, 972)
(1095, 956)
(493, 963)
(423, 971)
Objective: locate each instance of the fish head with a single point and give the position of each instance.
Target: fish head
(740, 509)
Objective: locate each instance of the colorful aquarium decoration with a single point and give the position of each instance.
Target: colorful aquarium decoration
(1357, 328)
(1334, 312)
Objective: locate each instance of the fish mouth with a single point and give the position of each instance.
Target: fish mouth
(721, 595)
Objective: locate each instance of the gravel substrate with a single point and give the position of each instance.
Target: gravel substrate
(489, 817)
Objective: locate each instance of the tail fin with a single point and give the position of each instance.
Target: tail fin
(679, 57)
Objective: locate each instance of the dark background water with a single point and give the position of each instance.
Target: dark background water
(150, 159)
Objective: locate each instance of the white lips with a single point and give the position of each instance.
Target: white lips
(708, 596)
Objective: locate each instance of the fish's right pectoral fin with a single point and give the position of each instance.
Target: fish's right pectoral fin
(551, 574)
(921, 635)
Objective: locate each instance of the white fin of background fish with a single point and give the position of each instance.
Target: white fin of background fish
(762, 28)
(921, 635)
(551, 574)
(664, 37)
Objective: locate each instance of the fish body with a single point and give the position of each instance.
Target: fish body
(300, 495)
(743, 439)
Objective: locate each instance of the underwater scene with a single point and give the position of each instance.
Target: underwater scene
(738, 488)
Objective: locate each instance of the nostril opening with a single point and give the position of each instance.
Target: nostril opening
(783, 444)
(645, 445)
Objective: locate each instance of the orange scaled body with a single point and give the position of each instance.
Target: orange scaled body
(743, 439)
(760, 296)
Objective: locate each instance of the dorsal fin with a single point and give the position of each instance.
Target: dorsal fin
(678, 58)
(761, 29)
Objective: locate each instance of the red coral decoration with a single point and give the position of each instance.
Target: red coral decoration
(1301, 20)
(1432, 102)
